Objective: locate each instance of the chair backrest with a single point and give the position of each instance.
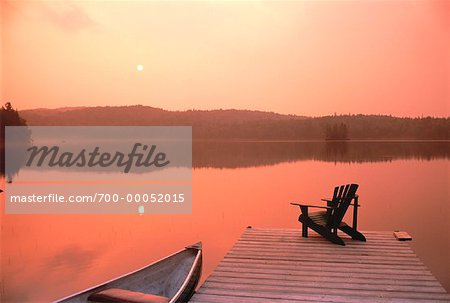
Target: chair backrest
(342, 197)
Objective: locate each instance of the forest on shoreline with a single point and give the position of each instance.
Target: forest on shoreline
(250, 125)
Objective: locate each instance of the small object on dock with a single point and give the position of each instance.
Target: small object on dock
(249, 226)
(402, 235)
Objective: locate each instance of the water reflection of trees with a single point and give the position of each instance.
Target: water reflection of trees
(234, 154)
(18, 139)
(247, 154)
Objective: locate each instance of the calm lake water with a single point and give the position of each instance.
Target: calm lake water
(403, 186)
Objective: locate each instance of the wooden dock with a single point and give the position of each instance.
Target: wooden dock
(277, 265)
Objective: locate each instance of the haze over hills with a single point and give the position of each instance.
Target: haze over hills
(246, 124)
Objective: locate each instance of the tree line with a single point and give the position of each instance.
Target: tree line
(251, 125)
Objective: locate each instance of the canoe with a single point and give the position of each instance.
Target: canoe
(172, 279)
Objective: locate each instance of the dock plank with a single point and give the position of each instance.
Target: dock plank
(277, 265)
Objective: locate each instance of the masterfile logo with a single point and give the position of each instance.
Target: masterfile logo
(140, 155)
(98, 169)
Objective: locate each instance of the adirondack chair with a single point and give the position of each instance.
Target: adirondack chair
(327, 222)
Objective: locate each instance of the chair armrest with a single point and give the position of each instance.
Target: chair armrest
(329, 200)
(315, 206)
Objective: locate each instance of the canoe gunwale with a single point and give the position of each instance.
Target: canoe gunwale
(190, 274)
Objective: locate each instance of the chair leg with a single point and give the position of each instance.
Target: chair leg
(335, 239)
(356, 235)
(330, 235)
(304, 230)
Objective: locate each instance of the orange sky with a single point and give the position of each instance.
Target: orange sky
(299, 57)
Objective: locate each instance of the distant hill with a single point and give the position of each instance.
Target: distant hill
(142, 115)
(233, 124)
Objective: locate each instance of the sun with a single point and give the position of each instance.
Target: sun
(140, 67)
